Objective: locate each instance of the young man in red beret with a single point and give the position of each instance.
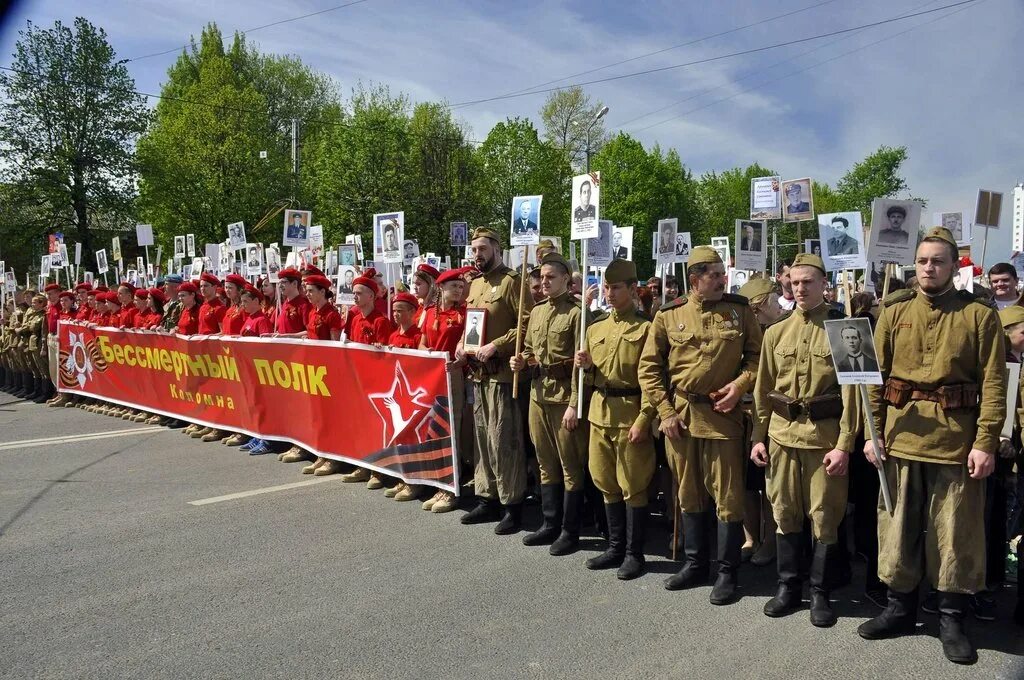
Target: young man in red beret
(85, 309)
(128, 312)
(211, 315)
(234, 320)
(291, 318)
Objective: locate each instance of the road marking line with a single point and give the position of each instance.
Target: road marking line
(257, 492)
(50, 441)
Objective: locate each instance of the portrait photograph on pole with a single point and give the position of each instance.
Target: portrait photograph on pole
(894, 227)
(666, 241)
(525, 220)
(842, 241)
(236, 235)
(458, 233)
(622, 243)
(296, 228)
(190, 245)
(388, 235)
(766, 198)
(853, 351)
(586, 195)
(797, 201)
(751, 253)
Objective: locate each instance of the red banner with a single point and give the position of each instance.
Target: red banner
(384, 409)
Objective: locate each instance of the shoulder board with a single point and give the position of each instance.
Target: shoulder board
(599, 316)
(514, 273)
(785, 315)
(899, 296)
(737, 299)
(834, 313)
(971, 297)
(644, 315)
(678, 302)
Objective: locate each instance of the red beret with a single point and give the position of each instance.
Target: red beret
(188, 287)
(66, 293)
(235, 279)
(93, 293)
(142, 293)
(158, 294)
(210, 278)
(407, 298)
(366, 281)
(111, 297)
(84, 286)
(101, 289)
(52, 287)
(452, 275)
(318, 280)
(428, 270)
(290, 273)
(254, 291)
(370, 273)
(310, 270)
(127, 285)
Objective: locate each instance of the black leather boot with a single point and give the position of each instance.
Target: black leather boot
(551, 509)
(21, 385)
(511, 519)
(568, 541)
(955, 643)
(42, 390)
(3, 378)
(616, 550)
(486, 510)
(898, 618)
(695, 548)
(822, 615)
(636, 531)
(32, 385)
(730, 545)
(787, 554)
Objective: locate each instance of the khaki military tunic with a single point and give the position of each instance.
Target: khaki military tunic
(622, 471)
(551, 341)
(796, 361)
(32, 334)
(696, 347)
(938, 525)
(500, 464)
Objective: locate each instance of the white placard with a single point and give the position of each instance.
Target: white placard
(388, 234)
(665, 241)
(683, 247)
(894, 226)
(586, 194)
(751, 238)
(842, 241)
(296, 228)
(798, 200)
(853, 351)
(144, 234)
(236, 236)
(766, 198)
(78, 254)
(190, 245)
(599, 250)
(954, 221)
(101, 262)
(525, 222)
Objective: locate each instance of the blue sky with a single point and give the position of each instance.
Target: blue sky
(949, 88)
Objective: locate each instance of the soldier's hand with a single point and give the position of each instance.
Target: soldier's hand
(726, 398)
(516, 362)
(836, 462)
(672, 427)
(759, 454)
(583, 360)
(637, 435)
(460, 355)
(980, 464)
(486, 352)
(869, 453)
(569, 419)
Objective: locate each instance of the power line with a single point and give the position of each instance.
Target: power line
(802, 70)
(716, 58)
(759, 70)
(257, 28)
(675, 47)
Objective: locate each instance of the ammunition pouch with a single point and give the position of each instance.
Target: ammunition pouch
(618, 391)
(784, 406)
(899, 393)
(561, 370)
(822, 407)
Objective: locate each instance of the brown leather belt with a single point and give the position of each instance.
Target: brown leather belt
(618, 391)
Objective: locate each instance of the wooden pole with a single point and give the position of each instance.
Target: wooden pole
(583, 326)
(873, 433)
(984, 247)
(885, 282)
(519, 323)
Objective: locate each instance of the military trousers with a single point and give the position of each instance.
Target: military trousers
(799, 487)
(53, 357)
(937, 528)
(561, 455)
(500, 460)
(32, 363)
(707, 469)
(621, 471)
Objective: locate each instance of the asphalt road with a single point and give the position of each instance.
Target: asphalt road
(108, 571)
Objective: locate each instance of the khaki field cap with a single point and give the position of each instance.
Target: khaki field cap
(1011, 316)
(556, 258)
(809, 260)
(486, 232)
(619, 271)
(941, 233)
(756, 288)
(703, 255)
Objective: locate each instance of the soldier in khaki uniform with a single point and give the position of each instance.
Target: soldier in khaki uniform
(941, 353)
(19, 384)
(809, 424)
(621, 450)
(33, 343)
(500, 474)
(699, 360)
(1012, 318)
(559, 436)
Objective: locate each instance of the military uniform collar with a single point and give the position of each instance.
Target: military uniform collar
(556, 299)
(936, 301)
(704, 305)
(496, 271)
(820, 310)
(624, 315)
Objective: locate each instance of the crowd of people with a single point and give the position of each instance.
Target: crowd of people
(722, 411)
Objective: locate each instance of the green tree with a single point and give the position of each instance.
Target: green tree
(567, 115)
(515, 162)
(877, 176)
(67, 131)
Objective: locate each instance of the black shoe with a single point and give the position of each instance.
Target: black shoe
(898, 618)
(486, 510)
(822, 615)
(695, 548)
(787, 554)
(42, 390)
(876, 595)
(510, 520)
(551, 509)
(983, 606)
(31, 389)
(568, 540)
(616, 551)
(955, 643)
(730, 546)
(636, 531)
